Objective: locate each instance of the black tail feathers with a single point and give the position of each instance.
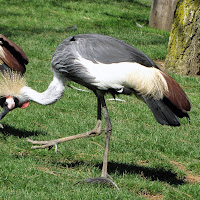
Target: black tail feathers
(164, 113)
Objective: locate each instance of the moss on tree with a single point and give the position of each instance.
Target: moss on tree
(184, 43)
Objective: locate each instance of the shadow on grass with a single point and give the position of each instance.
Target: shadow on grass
(154, 174)
(21, 133)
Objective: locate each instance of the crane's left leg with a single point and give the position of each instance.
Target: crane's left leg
(108, 130)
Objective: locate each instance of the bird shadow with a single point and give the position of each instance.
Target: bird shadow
(153, 174)
(21, 133)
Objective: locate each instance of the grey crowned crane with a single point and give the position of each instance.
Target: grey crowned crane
(107, 65)
(12, 67)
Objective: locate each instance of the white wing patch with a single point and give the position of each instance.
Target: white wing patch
(148, 81)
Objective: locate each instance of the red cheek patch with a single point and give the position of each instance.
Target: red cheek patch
(25, 105)
(9, 97)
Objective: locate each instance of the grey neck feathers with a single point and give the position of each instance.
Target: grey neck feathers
(53, 93)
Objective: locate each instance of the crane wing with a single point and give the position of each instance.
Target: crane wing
(108, 50)
(97, 49)
(12, 55)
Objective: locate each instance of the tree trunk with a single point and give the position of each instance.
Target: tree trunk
(162, 14)
(183, 55)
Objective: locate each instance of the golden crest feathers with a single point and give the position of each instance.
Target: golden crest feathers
(11, 83)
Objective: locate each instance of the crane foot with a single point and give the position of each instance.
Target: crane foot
(49, 144)
(101, 180)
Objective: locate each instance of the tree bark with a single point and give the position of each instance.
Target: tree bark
(162, 14)
(183, 55)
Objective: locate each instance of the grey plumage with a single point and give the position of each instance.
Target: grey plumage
(106, 50)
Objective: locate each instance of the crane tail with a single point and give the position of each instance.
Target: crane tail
(172, 106)
(162, 112)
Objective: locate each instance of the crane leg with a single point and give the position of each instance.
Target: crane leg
(108, 130)
(94, 132)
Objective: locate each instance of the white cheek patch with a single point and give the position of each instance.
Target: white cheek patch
(11, 102)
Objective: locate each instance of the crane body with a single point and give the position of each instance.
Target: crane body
(107, 65)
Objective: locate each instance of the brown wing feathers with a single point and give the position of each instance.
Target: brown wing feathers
(176, 97)
(14, 56)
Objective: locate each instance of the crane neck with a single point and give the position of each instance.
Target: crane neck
(53, 93)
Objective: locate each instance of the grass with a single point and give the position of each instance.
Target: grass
(146, 160)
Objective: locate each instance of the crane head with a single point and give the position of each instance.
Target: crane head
(9, 103)
(10, 86)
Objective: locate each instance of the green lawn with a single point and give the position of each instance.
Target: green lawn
(146, 160)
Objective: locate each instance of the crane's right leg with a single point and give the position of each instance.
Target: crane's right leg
(94, 132)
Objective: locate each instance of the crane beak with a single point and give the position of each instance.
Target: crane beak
(7, 106)
(10, 103)
(4, 111)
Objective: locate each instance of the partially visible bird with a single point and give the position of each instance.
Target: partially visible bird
(107, 65)
(12, 67)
